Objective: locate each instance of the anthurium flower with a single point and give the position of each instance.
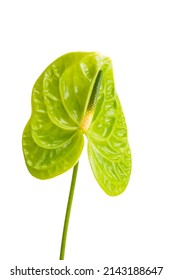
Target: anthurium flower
(73, 97)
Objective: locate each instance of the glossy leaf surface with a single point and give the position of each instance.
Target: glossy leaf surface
(64, 107)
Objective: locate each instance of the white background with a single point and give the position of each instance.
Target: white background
(135, 228)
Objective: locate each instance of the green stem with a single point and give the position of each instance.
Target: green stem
(68, 210)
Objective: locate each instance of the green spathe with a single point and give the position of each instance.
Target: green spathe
(53, 138)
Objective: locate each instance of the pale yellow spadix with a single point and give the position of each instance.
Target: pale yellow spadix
(87, 119)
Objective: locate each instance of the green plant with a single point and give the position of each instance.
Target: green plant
(76, 95)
